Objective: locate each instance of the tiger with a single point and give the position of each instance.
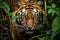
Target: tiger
(30, 14)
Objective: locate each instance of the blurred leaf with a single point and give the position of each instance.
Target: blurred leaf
(5, 6)
(44, 38)
(12, 19)
(35, 37)
(55, 33)
(53, 5)
(56, 23)
(50, 11)
(53, 9)
(48, 6)
(10, 13)
(55, 27)
(58, 11)
(53, 12)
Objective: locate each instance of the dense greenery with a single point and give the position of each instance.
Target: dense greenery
(5, 7)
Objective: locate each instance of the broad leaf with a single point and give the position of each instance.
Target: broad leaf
(56, 23)
(50, 11)
(53, 5)
(55, 33)
(53, 12)
(55, 27)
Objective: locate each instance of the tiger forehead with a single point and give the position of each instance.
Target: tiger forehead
(27, 1)
(29, 12)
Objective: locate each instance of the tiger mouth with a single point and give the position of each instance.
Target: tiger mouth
(29, 32)
(25, 30)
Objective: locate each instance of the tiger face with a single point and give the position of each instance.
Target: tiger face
(28, 18)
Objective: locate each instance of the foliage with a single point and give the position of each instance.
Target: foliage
(56, 23)
(55, 27)
(35, 37)
(6, 8)
(40, 38)
(55, 33)
(53, 9)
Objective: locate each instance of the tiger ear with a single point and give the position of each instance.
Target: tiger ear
(40, 3)
(18, 4)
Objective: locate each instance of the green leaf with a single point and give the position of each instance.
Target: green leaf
(35, 37)
(5, 9)
(44, 38)
(53, 12)
(12, 19)
(55, 27)
(53, 5)
(58, 11)
(10, 13)
(50, 11)
(56, 23)
(48, 6)
(55, 33)
(5, 6)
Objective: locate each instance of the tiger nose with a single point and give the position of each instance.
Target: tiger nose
(29, 23)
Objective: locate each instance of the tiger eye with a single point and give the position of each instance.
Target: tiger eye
(35, 13)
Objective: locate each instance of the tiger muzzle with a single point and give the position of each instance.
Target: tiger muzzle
(29, 26)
